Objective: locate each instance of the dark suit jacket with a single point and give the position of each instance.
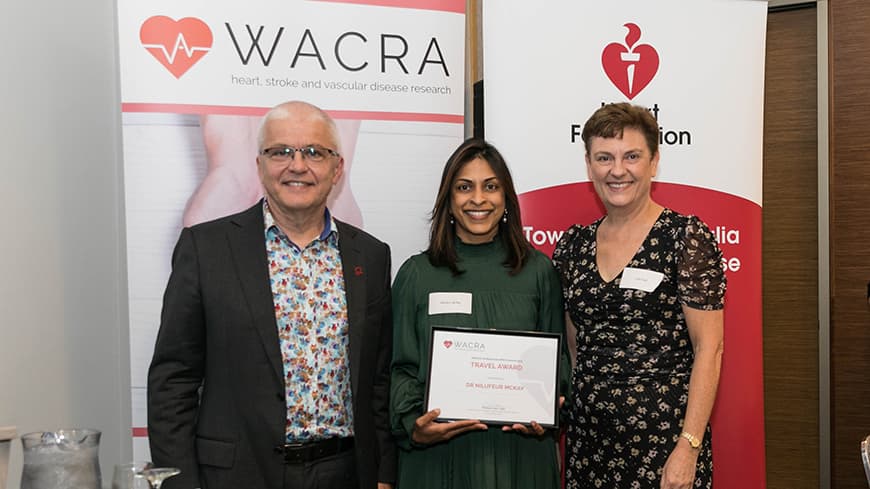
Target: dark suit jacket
(216, 405)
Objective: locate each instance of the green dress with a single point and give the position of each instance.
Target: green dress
(530, 300)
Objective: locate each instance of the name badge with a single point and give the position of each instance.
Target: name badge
(640, 279)
(449, 303)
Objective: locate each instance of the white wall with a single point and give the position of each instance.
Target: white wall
(64, 356)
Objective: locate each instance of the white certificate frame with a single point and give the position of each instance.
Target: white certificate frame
(499, 377)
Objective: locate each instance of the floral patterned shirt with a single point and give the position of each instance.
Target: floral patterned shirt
(311, 313)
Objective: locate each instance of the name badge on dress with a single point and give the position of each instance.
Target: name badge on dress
(449, 303)
(640, 279)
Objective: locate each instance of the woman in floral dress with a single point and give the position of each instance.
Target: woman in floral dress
(644, 289)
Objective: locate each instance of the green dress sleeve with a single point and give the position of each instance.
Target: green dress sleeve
(406, 389)
(552, 316)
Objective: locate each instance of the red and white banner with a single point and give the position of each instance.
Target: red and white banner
(196, 77)
(699, 68)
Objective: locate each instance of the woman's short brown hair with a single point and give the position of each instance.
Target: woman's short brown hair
(610, 121)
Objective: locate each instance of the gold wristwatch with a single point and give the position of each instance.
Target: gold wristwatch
(694, 441)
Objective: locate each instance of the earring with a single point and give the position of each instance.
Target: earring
(504, 217)
(451, 220)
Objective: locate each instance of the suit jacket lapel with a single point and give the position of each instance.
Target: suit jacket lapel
(247, 241)
(355, 292)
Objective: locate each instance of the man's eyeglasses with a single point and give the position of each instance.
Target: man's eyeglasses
(312, 153)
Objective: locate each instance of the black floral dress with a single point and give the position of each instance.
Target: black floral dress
(634, 355)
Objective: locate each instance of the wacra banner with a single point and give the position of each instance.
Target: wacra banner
(699, 68)
(197, 76)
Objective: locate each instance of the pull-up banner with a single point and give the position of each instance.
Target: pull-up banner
(699, 68)
(196, 77)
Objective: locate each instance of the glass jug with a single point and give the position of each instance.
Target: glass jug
(63, 458)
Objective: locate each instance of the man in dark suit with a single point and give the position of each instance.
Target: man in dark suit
(271, 366)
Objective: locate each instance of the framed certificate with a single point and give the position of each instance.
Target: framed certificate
(495, 376)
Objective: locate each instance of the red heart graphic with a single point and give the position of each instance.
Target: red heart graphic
(630, 67)
(448, 343)
(177, 45)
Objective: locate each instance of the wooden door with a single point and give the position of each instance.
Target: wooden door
(849, 41)
(789, 252)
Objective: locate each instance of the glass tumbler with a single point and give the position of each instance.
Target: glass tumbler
(63, 458)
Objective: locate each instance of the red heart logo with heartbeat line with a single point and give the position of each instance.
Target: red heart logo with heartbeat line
(448, 343)
(177, 45)
(630, 67)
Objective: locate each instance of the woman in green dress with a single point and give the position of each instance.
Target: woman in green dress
(477, 251)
